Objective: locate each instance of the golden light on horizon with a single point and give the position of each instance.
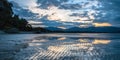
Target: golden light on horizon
(101, 24)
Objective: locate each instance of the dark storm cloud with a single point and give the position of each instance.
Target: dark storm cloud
(45, 3)
(62, 4)
(70, 6)
(79, 15)
(111, 8)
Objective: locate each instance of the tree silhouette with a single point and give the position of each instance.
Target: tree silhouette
(9, 20)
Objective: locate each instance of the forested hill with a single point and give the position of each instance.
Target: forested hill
(9, 21)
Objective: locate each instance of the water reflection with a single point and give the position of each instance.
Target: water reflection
(96, 41)
(60, 47)
(62, 38)
(84, 40)
(70, 48)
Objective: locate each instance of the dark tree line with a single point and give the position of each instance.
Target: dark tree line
(8, 20)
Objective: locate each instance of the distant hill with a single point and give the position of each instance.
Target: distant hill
(85, 30)
(94, 29)
(54, 29)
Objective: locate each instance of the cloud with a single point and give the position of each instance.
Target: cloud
(101, 24)
(34, 22)
(26, 3)
(69, 12)
(59, 10)
(22, 11)
(111, 12)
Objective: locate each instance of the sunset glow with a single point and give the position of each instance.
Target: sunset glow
(101, 24)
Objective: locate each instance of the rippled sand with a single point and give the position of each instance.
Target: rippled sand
(62, 47)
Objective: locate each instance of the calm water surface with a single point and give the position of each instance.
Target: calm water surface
(75, 46)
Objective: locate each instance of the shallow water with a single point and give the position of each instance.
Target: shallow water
(68, 46)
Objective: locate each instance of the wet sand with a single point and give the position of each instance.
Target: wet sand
(60, 47)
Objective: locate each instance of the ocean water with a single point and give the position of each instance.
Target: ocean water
(60, 46)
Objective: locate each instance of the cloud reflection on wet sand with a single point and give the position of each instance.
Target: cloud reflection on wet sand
(67, 48)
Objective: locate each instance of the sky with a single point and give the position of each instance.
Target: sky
(69, 13)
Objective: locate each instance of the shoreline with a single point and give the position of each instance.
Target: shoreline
(32, 32)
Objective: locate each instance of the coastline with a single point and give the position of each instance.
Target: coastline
(33, 32)
(2, 32)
